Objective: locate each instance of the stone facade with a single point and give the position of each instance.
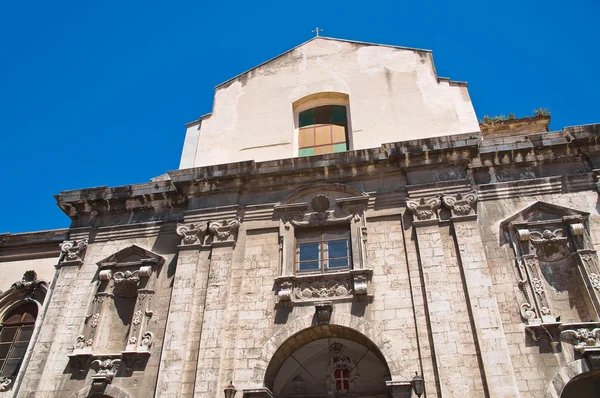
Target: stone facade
(473, 261)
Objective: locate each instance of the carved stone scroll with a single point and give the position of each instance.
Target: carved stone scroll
(192, 233)
(424, 210)
(72, 252)
(223, 231)
(461, 205)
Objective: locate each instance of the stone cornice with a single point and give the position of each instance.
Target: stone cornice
(450, 159)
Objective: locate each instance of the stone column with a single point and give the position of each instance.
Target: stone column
(182, 336)
(446, 343)
(495, 357)
(214, 325)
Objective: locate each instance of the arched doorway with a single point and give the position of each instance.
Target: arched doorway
(585, 385)
(327, 361)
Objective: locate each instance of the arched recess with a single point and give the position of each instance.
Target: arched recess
(302, 331)
(109, 391)
(564, 375)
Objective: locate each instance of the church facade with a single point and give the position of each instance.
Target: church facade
(340, 226)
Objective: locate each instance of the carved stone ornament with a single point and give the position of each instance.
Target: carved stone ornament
(191, 234)
(460, 204)
(323, 289)
(29, 281)
(106, 371)
(548, 237)
(222, 230)
(5, 383)
(595, 281)
(80, 343)
(581, 338)
(73, 251)
(285, 291)
(320, 203)
(425, 208)
(323, 310)
(360, 284)
(147, 339)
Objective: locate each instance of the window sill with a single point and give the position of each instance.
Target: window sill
(308, 288)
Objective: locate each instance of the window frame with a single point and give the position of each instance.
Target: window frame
(20, 326)
(329, 124)
(316, 100)
(323, 258)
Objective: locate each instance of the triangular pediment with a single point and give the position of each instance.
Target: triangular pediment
(131, 255)
(542, 211)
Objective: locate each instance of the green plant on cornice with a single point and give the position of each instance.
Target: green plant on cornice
(492, 120)
(541, 112)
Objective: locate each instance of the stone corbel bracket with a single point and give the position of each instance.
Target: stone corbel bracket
(106, 369)
(424, 210)
(548, 332)
(462, 205)
(72, 252)
(224, 232)
(323, 310)
(192, 235)
(299, 289)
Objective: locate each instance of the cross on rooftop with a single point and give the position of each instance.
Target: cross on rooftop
(317, 30)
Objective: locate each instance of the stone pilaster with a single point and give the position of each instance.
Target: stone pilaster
(446, 343)
(495, 357)
(182, 337)
(214, 324)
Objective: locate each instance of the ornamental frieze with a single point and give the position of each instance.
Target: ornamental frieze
(337, 285)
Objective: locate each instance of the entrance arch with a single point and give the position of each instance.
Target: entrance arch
(326, 359)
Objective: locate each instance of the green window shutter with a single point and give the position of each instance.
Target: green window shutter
(338, 114)
(306, 118)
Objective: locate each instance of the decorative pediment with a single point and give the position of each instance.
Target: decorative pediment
(322, 204)
(336, 191)
(543, 211)
(131, 256)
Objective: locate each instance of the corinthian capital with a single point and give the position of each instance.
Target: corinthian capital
(424, 209)
(461, 204)
(223, 230)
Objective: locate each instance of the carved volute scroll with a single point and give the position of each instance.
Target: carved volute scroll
(72, 252)
(223, 231)
(555, 263)
(317, 207)
(192, 234)
(424, 210)
(125, 293)
(461, 205)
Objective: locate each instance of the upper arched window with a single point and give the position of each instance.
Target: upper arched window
(15, 333)
(323, 129)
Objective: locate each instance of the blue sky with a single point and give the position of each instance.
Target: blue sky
(97, 93)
